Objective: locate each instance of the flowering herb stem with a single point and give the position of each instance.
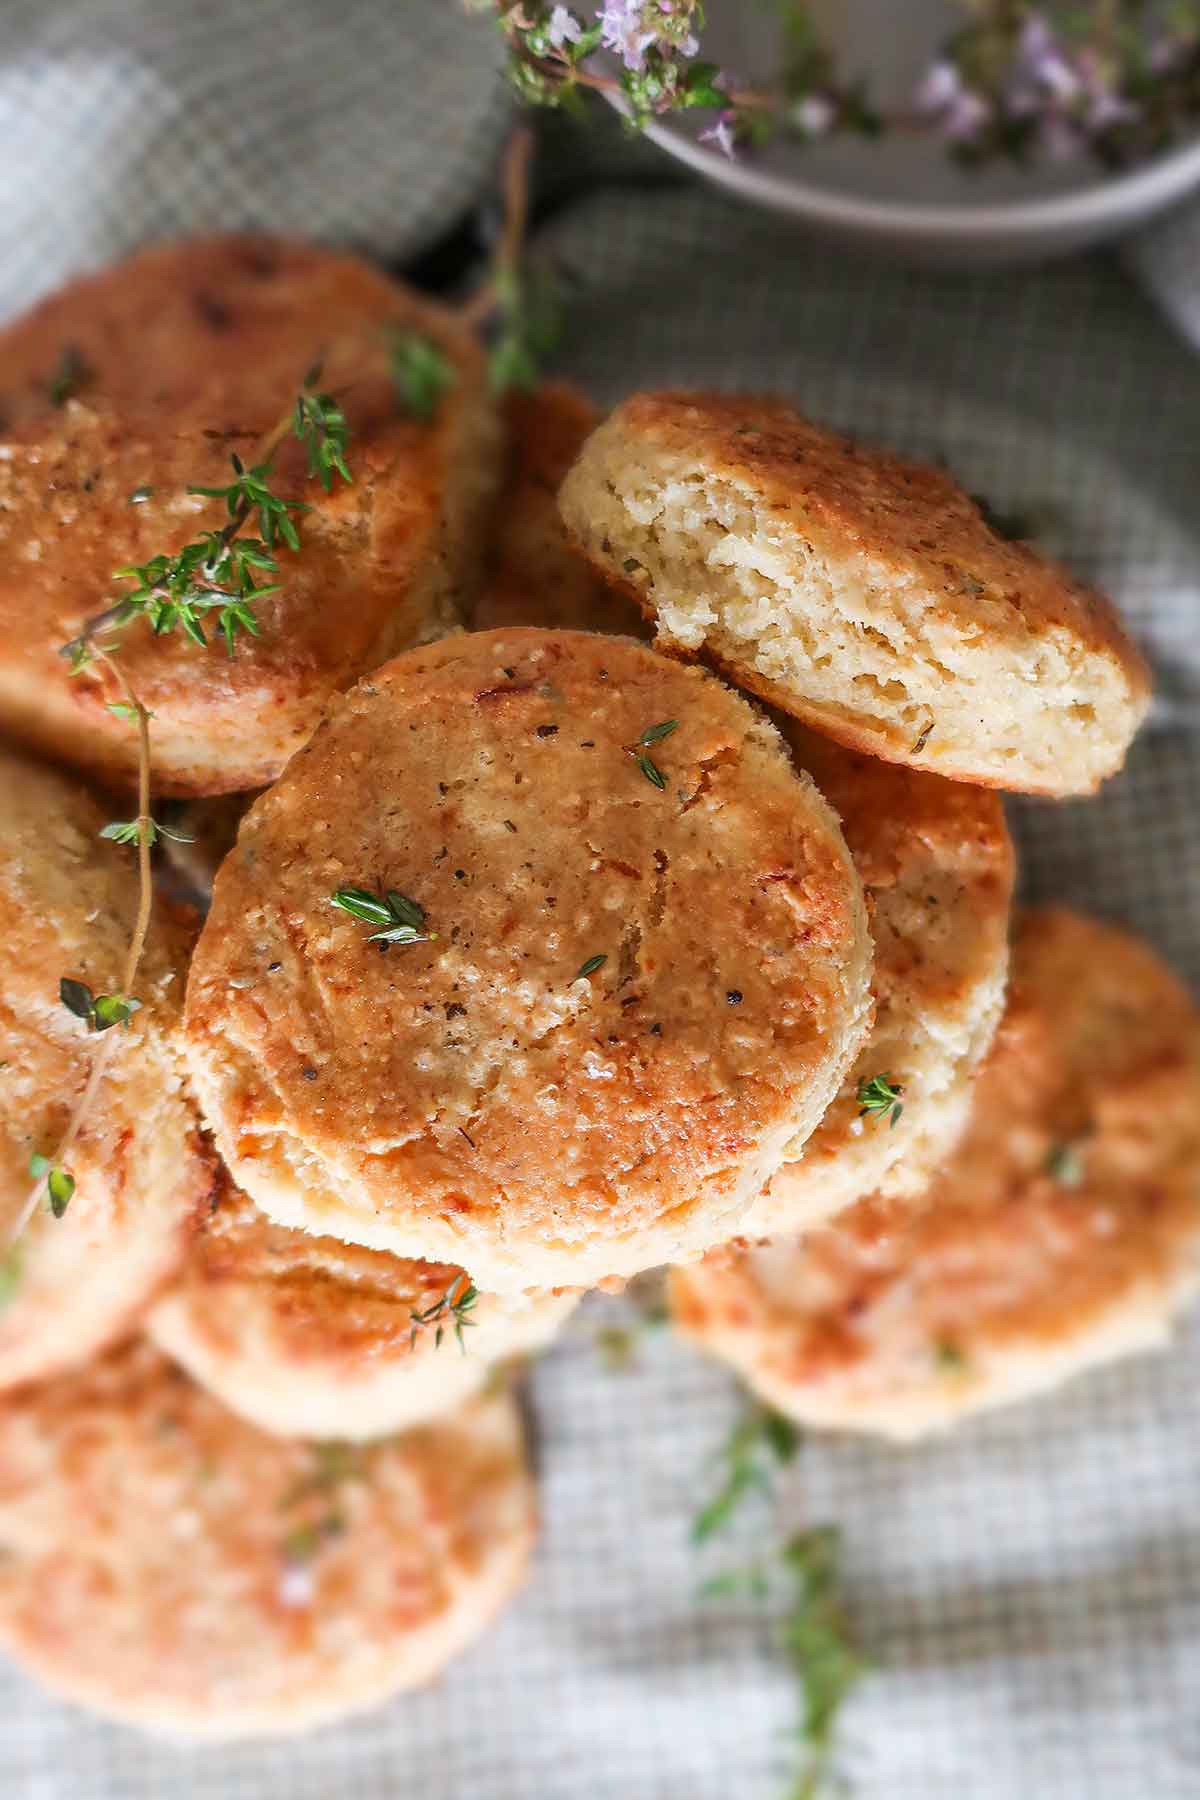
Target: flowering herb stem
(103, 1051)
(450, 1311)
(1120, 80)
(318, 422)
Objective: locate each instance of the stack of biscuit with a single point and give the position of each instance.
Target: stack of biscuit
(686, 978)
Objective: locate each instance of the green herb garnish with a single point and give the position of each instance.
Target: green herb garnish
(590, 966)
(653, 734)
(421, 374)
(759, 1444)
(129, 831)
(814, 1635)
(249, 492)
(71, 374)
(1065, 1165)
(10, 1276)
(99, 1011)
(530, 309)
(456, 1304)
(60, 1184)
(400, 919)
(817, 1640)
(879, 1097)
(320, 424)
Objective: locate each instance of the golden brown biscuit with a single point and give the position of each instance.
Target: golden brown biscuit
(866, 595)
(67, 908)
(311, 1337)
(636, 995)
(1064, 1232)
(936, 863)
(166, 1564)
(192, 353)
(535, 575)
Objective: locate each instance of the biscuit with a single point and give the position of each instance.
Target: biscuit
(534, 574)
(936, 863)
(865, 595)
(192, 353)
(167, 1565)
(310, 1337)
(67, 908)
(636, 997)
(1064, 1232)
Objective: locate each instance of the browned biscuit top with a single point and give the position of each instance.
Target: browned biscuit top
(166, 1562)
(319, 1299)
(1075, 1192)
(937, 865)
(192, 353)
(905, 515)
(535, 575)
(481, 1082)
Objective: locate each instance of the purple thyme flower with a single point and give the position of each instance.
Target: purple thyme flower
(564, 27)
(721, 134)
(625, 32)
(1104, 105)
(959, 110)
(632, 27)
(1042, 62)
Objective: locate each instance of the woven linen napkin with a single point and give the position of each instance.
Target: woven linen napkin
(1029, 1589)
(1165, 257)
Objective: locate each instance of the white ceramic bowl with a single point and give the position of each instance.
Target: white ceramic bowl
(903, 194)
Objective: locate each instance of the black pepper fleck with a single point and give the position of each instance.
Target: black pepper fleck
(274, 968)
(310, 1074)
(545, 731)
(734, 996)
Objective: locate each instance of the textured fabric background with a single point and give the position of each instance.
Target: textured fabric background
(1029, 1589)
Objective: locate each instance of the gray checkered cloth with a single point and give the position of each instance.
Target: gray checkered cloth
(1030, 1588)
(1165, 257)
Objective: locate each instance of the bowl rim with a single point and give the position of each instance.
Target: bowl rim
(1106, 202)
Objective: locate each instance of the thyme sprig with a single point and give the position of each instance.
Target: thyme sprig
(400, 919)
(813, 1631)
(450, 1312)
(818, 1642)
(60, 1183)
(879, 1098)
(70, 376)
(640, 751)
(129, 831)
(1018, 79)
(100, 1012)
(519, 304)
(1064, 1165)
(759, 1445)
(421, 374)
(217, 571)
(221, 571)
(51, 1174)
